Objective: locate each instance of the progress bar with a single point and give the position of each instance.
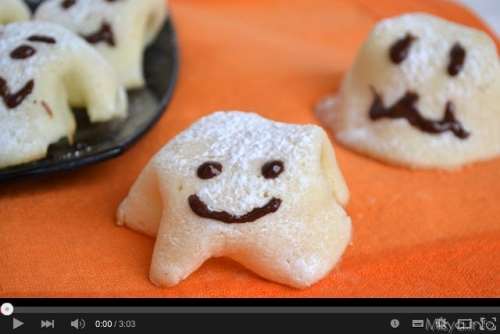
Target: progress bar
(256, 309)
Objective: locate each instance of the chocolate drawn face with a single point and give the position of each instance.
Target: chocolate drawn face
(421, 93)
(104, 34)
(20, 53)
(45, 71)
(405, 107)
(231, 168)
(120, 30)
(211, 169)
(238, 167)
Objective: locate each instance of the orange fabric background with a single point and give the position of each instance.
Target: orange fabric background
(416, 233)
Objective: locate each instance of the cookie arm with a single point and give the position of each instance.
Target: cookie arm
(143, 207)
(180, 249)
(92, 83)
(154, 19)
(332, 171)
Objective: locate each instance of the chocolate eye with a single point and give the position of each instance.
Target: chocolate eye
(273, 169)
(23, 52)
(209, 170)
(68, 4)
(42, 39)
(457, 59)
(400, 49)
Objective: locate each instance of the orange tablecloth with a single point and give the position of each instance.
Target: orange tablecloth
(416, 233)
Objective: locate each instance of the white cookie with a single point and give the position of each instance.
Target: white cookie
(13, 11)
(119, 29)
(266, 194)
(45, 69)
(423, 92)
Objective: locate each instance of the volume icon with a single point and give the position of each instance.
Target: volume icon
(78, 324)
(47, 324)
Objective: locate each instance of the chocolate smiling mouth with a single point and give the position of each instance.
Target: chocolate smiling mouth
(202, 210)
(405, 108)
(13, 99)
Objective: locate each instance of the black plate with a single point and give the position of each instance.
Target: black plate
(95, 142)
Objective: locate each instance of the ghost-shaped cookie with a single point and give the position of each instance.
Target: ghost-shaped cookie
(119, 29)
(44, 70)
(423, 92)
(269, 195)
(13, 11)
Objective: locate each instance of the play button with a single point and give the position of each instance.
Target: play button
(16, 323)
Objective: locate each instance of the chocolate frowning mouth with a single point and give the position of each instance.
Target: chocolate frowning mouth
(104, 34)
(202, 210)
(405, 108)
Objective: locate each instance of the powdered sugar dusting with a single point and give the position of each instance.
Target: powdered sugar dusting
(429, 54)
(124, 17)
(14, 35)
(471, 93)
(119, 30)
(85, 16)
(242, 143)
(57, 71)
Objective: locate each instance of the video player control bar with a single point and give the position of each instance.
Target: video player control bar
(258, 319)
